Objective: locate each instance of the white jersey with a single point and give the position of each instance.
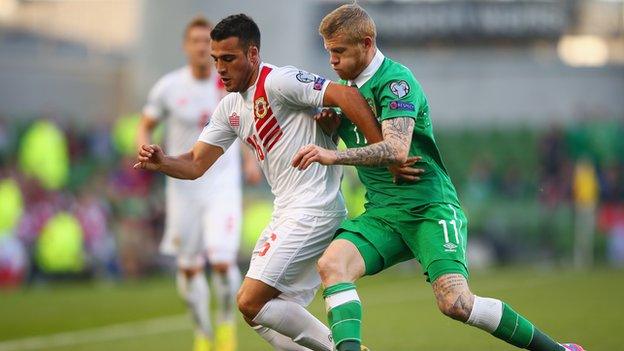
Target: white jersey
(276, 129)
(187, 105)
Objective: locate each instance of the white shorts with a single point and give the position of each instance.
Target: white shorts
(198, 229)
(286, 253)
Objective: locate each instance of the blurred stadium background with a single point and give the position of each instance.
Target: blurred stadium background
(527, 100)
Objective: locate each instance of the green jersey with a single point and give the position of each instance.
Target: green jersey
(392, 91)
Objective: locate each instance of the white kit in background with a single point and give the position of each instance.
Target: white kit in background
(203, 215)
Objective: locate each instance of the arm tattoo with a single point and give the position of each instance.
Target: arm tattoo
(397, 134)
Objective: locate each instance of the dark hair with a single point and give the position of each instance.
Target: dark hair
(240, 26)
(198, 21)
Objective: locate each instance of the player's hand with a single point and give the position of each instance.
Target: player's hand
(329, 120)
(405, 172)
(150, 157)
(313, 153)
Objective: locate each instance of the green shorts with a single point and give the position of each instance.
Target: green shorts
(435, 234)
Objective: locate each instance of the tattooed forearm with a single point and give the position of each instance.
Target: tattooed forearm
(397, 133)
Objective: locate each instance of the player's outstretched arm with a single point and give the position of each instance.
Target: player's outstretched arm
(392, 151)
(190, 165)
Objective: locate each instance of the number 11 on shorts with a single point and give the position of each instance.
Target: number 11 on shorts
(448, 245)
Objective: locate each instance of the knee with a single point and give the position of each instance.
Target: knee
(220, 268)
(332, 270)
(248, 305)
(456, 306)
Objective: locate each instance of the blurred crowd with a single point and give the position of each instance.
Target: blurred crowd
(76, 206)
(72, 206)
(537, 180)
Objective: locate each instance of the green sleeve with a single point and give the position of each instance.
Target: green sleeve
(400, 96)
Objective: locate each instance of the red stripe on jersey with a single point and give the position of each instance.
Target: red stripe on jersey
(262, 132)
(267, 128)
(277, 138)
(261, 121)
(266, 141)
(261, 92)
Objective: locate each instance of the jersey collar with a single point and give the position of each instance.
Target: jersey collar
(370, 70)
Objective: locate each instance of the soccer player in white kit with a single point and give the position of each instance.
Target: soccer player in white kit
(272, 110)
(203, 216)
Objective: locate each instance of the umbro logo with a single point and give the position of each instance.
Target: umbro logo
(450, 247)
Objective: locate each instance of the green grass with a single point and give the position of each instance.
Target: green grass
(399, 311)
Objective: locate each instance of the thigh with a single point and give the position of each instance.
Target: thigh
(380, 245)
(257, 291)
(221, 221)
(437, 235)
(370, 257)
(286, 253)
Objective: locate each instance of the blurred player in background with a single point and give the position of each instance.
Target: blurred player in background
(272, 109)
(421, 220)
(203, 216)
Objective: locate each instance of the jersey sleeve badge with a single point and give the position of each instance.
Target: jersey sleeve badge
(400, 88)
(305, 77)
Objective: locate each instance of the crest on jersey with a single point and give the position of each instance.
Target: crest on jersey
(234, 120)
(305, 77)
(261, 107)
(400, 88)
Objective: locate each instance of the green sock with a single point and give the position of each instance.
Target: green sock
(518, 331)
(344, 316)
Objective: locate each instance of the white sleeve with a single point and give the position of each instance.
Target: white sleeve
(219, 132)
(296, 87)
(155, 106)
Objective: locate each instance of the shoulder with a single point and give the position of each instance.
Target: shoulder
(229, 101)
(169, 79)
(398, 79)
(286, 76)
(231, 98)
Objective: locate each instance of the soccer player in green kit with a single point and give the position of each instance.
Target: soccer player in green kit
(421, 219)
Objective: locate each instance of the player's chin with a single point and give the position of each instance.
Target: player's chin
(228, 84)
(344, 75)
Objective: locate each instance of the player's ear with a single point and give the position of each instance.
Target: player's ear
(368, 42)
(253, 54)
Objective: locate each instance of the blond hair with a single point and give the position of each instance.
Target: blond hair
(195, 22)
(349, 20)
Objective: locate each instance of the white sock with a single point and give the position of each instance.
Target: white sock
(278, 341)
(225, 288)
(294, 321)
(486, 313)
(195, 293)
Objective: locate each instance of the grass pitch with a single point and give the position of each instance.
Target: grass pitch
(399, 313)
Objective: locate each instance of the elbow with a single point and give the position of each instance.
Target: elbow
(196, 173)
